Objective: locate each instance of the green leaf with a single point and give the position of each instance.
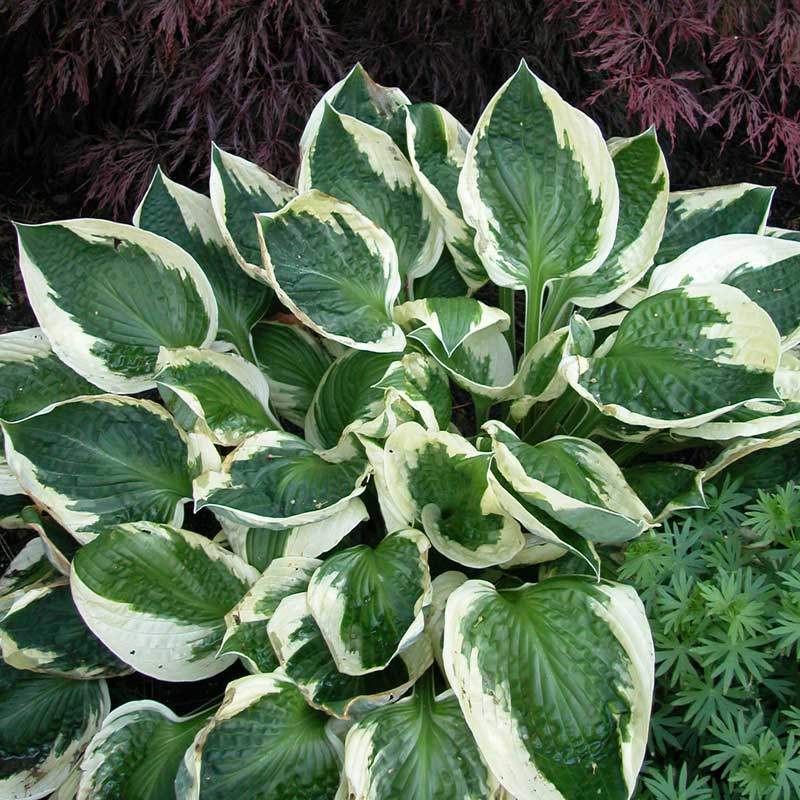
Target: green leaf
(764, 268)
(368, 602)
(572, 480)
(59, 545)
(656, 373)
(32, 377)
(45, 723)
(43, 632)
(418, 748)
(335, 270)
(263, 742)
(444, 280)
(246, 622)
(538, 186)
(665, 487)
(437, 148)
(228, 394)
(157, 597)
(357, 163)
(643, 180)
(29, 569)
(348, 400)
(239, 189)
(293, 362)
(276, 480)
(440, 480)
(545, 729)
(108, 296)
(187, 218)
(306, 659)
(359, 96)
(260, 546)
(100, 461)
(137, 752)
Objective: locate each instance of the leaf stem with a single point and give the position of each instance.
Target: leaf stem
(545, 423)
(482, 406)
(533, 314)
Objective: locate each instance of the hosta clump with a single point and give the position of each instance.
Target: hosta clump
(416, 592)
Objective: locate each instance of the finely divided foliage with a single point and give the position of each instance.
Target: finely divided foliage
(420, 594)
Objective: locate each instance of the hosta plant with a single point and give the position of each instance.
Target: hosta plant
(401, 499)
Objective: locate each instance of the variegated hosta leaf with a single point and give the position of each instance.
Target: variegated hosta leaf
(394, 517)
(360, 164)
(444, 280)
(682, 357)
(32, 377)
(335, 270)
(100, 461)
(359, 96)
(108, 296)
(187, 218)
(157, 597)
(782, 233)
(756, 453)
(59, 545)
(29, 569)
(263, 742)
(437, 147)
(276, 480)
(9, 485)
(418, 748)
(11, 507)
(555, 682)
(43, 632)
(294, 362)
(574, 481)
(45, 723)
(260, 546)
(246, 622)
(482, 364)
(239, 189)
(451, 319)
(440, 480)
(643, 182)
(420, 383)
(368, 602)
(305, 658)
(229, 395)
(764, 268)
(695, 215)
(348, 400)
(665, 487)
(538, 186)
(751, 419)
(442, 586)
(137, 753)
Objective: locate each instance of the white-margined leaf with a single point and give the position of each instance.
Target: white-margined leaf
(43, 632)
(334, 269)
(157, 597)
(442, 586)
(29, 569)
(368, 602)
(108, 296)
(239, 189)
(643, 181)
(755, 446)
(764, 268)
(263, 742)
(359, 96)
(45, 724)
(451, 319)
(655, 373)
(418, 748)
(246, 622)
(360, 164)
(437, 147)
(260, 546)
(572, 480)
(782, 233)
(394, 517)
(276, 480)
(228, 394)
(137, 753)
(187, 218)
(545, 730)
(306, 659)
(538, 186)
(440, 480)
(444, 280)
(294, 362)
(32, 377)
(101, 461)
(60, 546)
(665, 487)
